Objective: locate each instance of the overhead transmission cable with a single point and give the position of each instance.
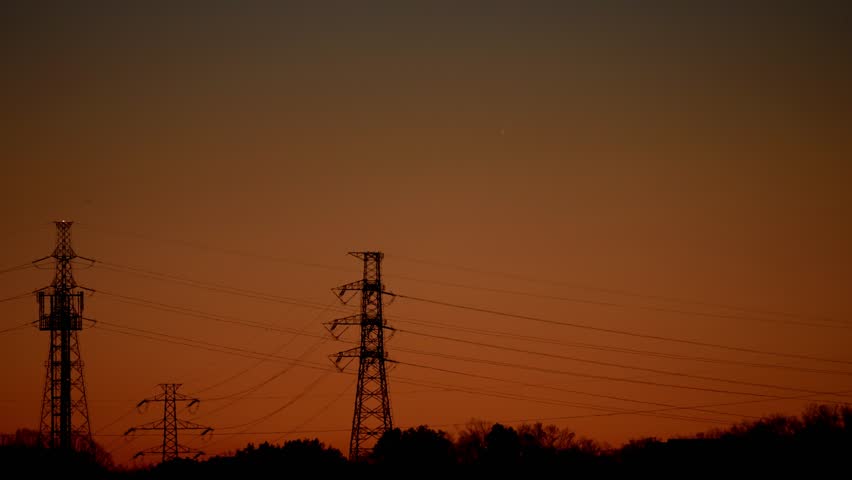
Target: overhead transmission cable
(652, 308)
(515, 276)
(226, 319)
(622, 332)
(619, 291)
(501, 347)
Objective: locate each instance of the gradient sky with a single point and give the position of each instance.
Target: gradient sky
(632, 155)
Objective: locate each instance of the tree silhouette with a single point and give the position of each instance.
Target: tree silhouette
(418, 448)
(817, 441)
(470, 444)
(22, 452)
(293, 455)
(502, 447)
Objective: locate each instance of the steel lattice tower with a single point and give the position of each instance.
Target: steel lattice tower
(61, 313)
(170, 424)
(372, 417)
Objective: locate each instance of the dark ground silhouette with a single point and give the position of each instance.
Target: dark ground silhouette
(819, 440)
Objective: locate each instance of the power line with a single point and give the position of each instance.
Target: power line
(764, 396)
(768, 398)
(213, 287)
(624, 332)
(210, 347)
(652, 412)
(586, 406)
(611, 364)
(240, 352)
(242, 393)
(659, 410)
(227, 251)
(239, 396)
(566, 390)
(204, 315)
(271, 327)
(556, 402)
(186, 343)
(116, 444)
(651, 308)
(259, 362)
(278, 410)
(614, 291)
(280, 373)
(16, 297)
(293, 400)
(524, 420)
(267, 326)
(184, 311)
(539, 400)
(589, 394)
(606, 348)
(18, 327)
(269, 297)
(277, 432)
(573, 374)
(118, 419)
(322, 410)
(563, 357)
(623, 292)
(244, 352)
(617, 412)
(170, 341)
(16, 268)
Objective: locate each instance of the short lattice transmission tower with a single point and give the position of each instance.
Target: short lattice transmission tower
(64, 410)
(170, 425)
(372, 417)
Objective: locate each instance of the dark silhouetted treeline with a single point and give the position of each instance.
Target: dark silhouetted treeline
(21, 452)
(819, 440)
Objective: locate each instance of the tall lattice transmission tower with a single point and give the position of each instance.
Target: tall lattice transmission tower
(64, 410)
(170, 424)
(372, 417)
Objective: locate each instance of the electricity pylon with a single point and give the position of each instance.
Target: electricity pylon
(60, 312)
(372, 417)
(170, 449)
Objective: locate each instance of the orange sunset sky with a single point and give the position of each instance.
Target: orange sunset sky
(654, 169)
